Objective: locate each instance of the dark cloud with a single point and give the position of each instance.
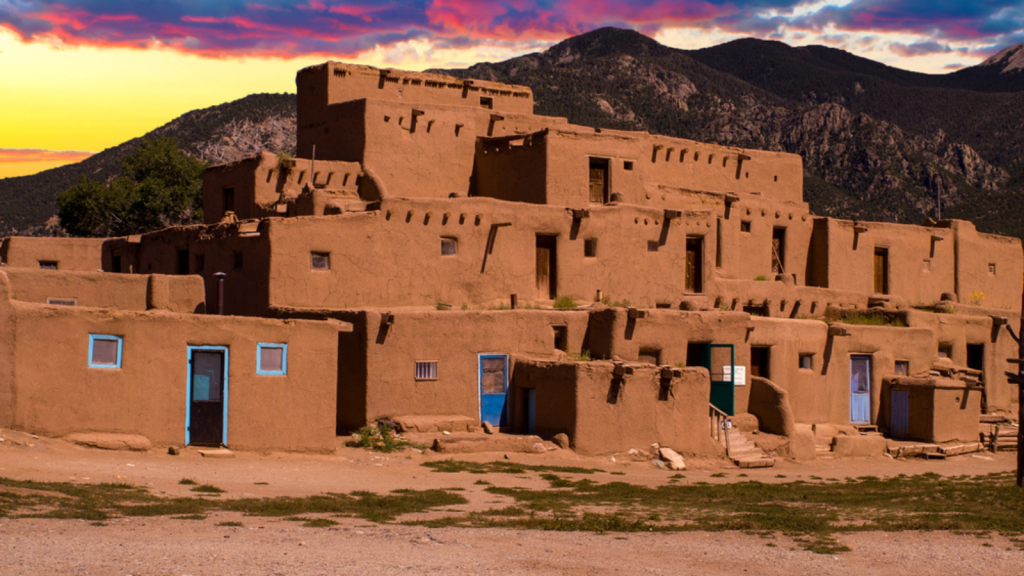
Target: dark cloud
(345, 28)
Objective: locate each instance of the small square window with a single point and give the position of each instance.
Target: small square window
(320, 260)
(47, 265)
(590, 248)
(627, 165)
(652, 246)
(945, 350)
(745, 226)
(992, 268)
(238, 259)
(271, 359)
(902, 368)
(806, 361)
(486, 102)
(426, 370)
(104, 351)
(449, 246)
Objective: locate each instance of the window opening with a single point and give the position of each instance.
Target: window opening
(760, 361)
(902, 368)
(320, 260)
(652, 245)
(487, 102)
(694, 265)
(47, 264)
(627, 165)
(104, 351)
(62, 301)
(806, 361)
(561, 338)
(238, 259)
(745, 226)
(426, 370)
(271, 359)
(183, 261)
(590, 248)
(650, 356)
(449, 246)
(945, 350)
(116, 263)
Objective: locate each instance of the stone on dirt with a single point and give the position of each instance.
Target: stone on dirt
(488, 428)
(174, 450)
(561, 440)
(674, 460)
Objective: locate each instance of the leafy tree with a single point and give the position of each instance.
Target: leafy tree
(159, 187)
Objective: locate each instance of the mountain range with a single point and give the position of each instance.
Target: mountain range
(879, 143)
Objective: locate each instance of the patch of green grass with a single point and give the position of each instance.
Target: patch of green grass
(565, 303)
(617, 473)
(718, 475)
(261, 483)
(583, 356)
(231, 524)
(207, 489)
(677, 476)
(187, 482)
(482, 483)
(383, 439)
(319, 523)
(760, 278)
(189, 517)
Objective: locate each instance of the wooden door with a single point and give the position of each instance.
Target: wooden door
(547, 276)
(207, 395)
(694, 265)
(899, 415)
(598, 181)
(881, 270)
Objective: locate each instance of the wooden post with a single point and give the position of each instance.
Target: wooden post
(1018, 379)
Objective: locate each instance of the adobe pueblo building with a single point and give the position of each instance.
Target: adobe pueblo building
(439, 256)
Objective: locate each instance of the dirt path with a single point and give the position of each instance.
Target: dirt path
(163, 545)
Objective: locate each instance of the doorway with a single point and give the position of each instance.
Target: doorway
(720, 360)
(598, 181)
(547, 273)
(760, 361)
(694, 265)
(493, 386)
(778, 251)
(860, 389)
(899, 415)
(207, 409)
(976, 357)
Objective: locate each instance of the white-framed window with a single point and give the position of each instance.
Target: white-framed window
(105, 351)
(271, 359)
(426, 369)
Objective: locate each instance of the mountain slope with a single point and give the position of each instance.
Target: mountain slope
(767, 95)
(217, 134)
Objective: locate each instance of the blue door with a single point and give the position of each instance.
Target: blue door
(860, 389)
(899, 415)
(493, 386)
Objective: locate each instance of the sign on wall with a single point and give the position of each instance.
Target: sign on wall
(741, 375)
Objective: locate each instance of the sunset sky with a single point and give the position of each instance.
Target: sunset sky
(79, 76)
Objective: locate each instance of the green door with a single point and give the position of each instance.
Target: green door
(717, 358)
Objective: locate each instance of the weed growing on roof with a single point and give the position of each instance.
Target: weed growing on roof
(565, 303)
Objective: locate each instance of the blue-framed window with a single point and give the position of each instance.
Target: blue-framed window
(271, 359)
(105, 351)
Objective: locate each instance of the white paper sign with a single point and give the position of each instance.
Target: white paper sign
(741, 375)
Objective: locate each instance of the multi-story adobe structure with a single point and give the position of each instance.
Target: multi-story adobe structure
(438, 251)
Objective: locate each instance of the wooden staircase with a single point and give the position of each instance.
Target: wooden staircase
(738, 448)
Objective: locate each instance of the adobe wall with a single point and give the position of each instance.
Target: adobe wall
(613, 334)
(68, 253)
(454, 339)
(939, 409)
(392, 257)
(264, 183)
(8, 396)
(779, 299)
(958, 330)
(988, 265)
(58, 394)
(652, 170)
(182, 294)
(211, 249)
(604, 414)
(922, 262)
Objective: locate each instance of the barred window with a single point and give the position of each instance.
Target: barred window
(426, 370)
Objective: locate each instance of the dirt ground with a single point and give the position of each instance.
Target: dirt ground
(162, 545)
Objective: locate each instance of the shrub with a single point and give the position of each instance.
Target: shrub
(565, 303)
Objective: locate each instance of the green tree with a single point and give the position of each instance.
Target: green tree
(159, 187)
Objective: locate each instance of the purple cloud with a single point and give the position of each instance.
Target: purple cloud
(336, 28)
